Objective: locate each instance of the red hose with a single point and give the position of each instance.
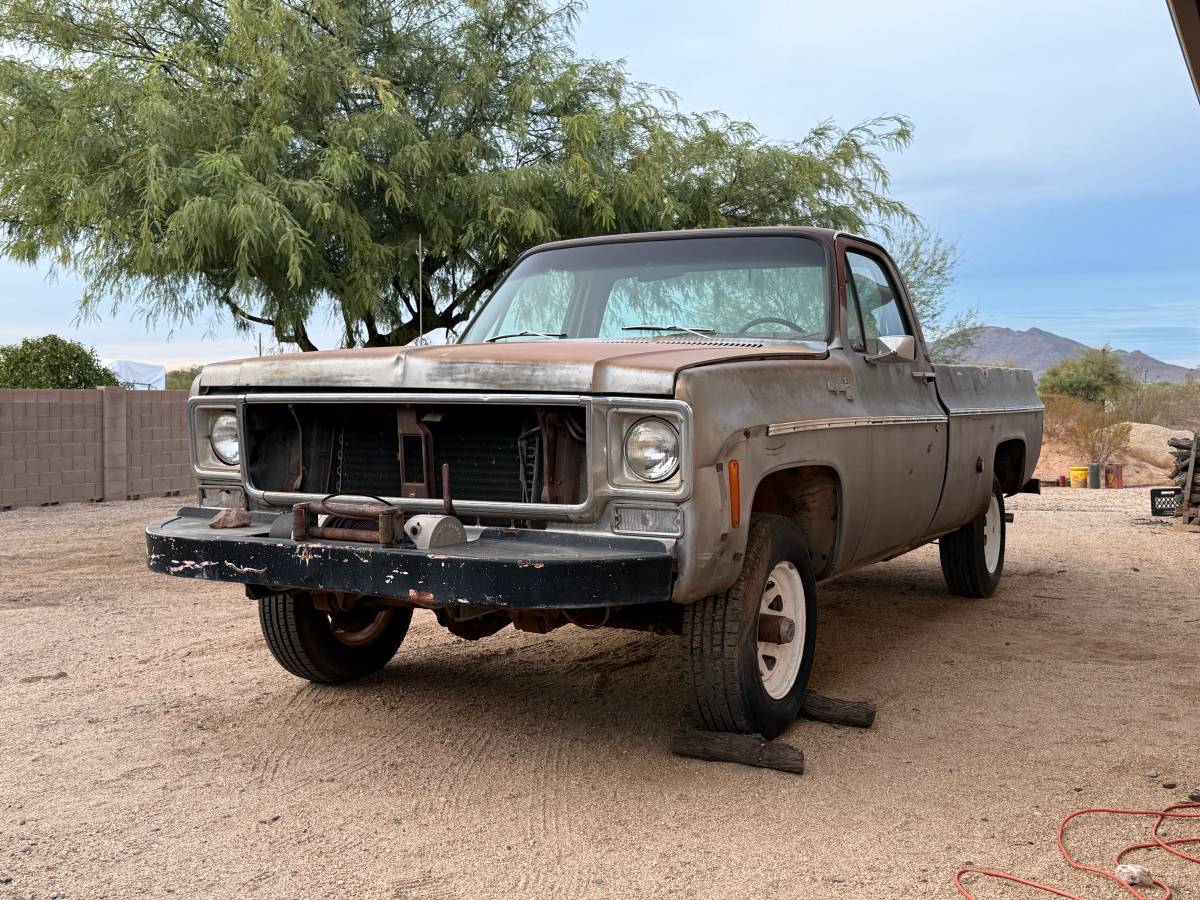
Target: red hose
(1155, 842)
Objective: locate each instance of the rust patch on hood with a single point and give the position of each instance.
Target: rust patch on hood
(573, 366)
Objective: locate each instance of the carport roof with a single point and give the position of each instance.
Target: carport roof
(1186, 14)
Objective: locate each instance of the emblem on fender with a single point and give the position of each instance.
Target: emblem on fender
(841, 387)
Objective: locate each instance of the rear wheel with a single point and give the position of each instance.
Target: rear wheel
(973, 556)
(748, 652)
(330, 646)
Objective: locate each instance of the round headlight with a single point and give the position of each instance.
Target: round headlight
(652, 449)
(223, 436)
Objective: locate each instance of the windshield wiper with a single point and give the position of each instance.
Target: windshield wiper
(541, 334)
(698, 332)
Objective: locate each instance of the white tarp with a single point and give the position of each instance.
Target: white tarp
(139, 376)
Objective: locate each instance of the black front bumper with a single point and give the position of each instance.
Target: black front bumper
(511, 568)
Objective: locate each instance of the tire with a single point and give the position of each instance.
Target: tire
(728, 686)
(330, 647)
(973, 556)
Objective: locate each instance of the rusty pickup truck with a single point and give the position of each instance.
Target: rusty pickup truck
(682, 432)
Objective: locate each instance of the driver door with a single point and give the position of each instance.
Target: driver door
(905, 425)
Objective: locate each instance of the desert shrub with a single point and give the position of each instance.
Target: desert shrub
(1059, 410)
(181, 379)
(51, 362)
(1095, 431)
(1174, 406)
(1094, 376)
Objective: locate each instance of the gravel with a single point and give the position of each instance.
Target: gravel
(507, 767)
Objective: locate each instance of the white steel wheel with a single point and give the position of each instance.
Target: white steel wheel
(992, 525)
(973, 556)
(748, 651)
(779, 663)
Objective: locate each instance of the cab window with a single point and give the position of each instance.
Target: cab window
(873, 306)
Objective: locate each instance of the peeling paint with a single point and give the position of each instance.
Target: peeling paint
(188, 565)
(305, 554)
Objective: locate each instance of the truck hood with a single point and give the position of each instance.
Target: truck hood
(638, 367)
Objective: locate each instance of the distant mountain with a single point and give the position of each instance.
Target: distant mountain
(1038, 350)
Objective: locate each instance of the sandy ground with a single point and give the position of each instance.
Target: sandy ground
(173, 758)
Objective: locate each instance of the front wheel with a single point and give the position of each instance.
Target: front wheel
(330, 646)
(748, 652)
(973, 556)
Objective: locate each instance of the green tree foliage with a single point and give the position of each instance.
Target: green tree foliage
(51, 362)
(279, 160)
(181, 379)
(1094, 376)
(928, 263)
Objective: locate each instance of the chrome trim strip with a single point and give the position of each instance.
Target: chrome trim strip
(997, 410)
(600, 490)
(220, 472)
(410, 397)
(856, 422)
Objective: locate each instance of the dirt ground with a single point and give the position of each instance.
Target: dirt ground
(150, 747)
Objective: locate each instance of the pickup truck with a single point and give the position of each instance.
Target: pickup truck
(683, 432)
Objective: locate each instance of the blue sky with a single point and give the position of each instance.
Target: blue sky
(1057, 143)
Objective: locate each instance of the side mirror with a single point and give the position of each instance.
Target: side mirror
(895, 348)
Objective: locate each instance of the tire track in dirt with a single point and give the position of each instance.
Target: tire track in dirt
(294, 728)
(426, 886)
(546, 881)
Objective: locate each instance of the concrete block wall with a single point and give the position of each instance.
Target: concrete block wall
(80, 446)
(156, 444)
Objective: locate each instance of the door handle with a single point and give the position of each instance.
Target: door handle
(926, 376)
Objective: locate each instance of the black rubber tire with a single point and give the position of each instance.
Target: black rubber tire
(720, 640)
(963, 562)
(302, 640)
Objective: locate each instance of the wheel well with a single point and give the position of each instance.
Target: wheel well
(811, 497)
(1010, 465)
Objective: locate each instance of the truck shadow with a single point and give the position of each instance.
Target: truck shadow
(589, 685)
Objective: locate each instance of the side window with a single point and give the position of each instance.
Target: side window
(878, 304)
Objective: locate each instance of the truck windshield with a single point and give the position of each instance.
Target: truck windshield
(699, 288)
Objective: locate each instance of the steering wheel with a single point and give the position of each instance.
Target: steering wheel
(765, 320)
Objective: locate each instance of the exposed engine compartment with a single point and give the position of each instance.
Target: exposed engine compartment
(496, 453)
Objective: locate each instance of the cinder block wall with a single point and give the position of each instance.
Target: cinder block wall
(106, 444)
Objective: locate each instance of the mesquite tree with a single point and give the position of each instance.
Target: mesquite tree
(280, 160)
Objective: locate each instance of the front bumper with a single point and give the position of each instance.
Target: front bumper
(506, 568)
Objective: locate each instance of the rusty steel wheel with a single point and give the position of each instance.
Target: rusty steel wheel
(360, 626)
(330, 647)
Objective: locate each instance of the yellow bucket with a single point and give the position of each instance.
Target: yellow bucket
(1079, 475)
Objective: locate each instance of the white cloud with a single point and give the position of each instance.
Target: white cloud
(1019, 100)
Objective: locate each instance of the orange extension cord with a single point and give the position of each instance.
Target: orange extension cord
(1160, 816)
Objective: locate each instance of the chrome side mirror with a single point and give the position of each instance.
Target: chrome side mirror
(895, 348)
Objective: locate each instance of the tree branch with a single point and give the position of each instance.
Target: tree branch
(242, 314)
